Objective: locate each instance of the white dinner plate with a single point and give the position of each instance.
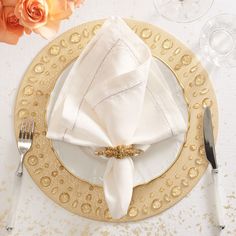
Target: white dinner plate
(81, 162)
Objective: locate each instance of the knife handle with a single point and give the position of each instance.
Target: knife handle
(219, 206)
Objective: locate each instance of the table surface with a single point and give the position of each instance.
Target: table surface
(38, 215)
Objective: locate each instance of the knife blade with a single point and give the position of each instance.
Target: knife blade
(209, 138)
(209, 144)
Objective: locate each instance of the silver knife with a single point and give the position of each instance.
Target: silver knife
(211, 156)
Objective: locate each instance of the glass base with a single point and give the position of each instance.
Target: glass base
(183, 10)
(218, 42)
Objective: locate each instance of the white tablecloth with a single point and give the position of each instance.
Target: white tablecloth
(38, 215)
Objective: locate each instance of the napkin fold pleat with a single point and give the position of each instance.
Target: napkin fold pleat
(126, 91)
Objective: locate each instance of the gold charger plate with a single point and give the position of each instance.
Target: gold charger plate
(81, 197)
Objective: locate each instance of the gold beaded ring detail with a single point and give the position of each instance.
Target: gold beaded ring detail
(119, 152)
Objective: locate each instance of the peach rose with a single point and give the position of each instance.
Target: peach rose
(59, 9)
(10, 29)
(33, 14)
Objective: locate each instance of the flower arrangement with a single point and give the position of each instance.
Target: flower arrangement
(40, 16)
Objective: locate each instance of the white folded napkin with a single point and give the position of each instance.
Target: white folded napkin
(114, 95)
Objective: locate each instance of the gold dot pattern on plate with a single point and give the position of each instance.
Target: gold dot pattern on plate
(176, 191)
(107, 215)
(38, 171)
(32, 160)
(54, 190)
(23, 113)
(167, 198)
(75, 38)
(39, 68)
(185, 182)
(63, 43)
(199, 80)
(145, 209)
(28, 90)
(156, 204)
(45, 181)
(54, 50)
(167, 44)
(89, 197)
(146, 33)
(98, 211)
(86, 208)
(78, 196)
(133, 211)
(54, 173)
(75, 204)
(193, 172)
(64, 197)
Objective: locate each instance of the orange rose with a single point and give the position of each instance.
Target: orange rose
(33, 14)
(59, 9)
(10, 29)
(40, 16)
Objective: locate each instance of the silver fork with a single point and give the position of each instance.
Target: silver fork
(24, 144)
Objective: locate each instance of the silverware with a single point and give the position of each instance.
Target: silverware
(24, 144)
(211, 156)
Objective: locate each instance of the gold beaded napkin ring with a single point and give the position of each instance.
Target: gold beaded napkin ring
(119, 152)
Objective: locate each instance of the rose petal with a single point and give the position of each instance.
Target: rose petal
(48, 31)
(9, 3)
(59, 9)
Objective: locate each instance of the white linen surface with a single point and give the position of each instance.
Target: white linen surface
(115, 95)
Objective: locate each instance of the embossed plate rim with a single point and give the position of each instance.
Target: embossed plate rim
(146, 198)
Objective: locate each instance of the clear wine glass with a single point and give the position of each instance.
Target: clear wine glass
(183, 10)
(218, 40)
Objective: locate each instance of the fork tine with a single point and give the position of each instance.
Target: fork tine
(22, 130)
(20, 134)
(30, 128)
(26, 129)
